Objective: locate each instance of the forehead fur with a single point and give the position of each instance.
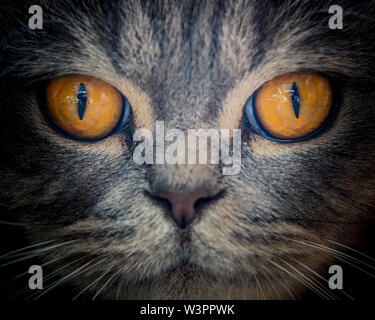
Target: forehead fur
(187, 44)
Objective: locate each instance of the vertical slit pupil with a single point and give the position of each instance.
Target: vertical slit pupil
(82, 100)
(294, 94)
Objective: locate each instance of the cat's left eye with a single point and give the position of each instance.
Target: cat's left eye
(86, 107)
(291, 107)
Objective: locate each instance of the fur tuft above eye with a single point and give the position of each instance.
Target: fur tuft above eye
(291, 107)
(86, 107)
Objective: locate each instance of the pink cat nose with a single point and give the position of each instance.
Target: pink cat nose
(183, 204)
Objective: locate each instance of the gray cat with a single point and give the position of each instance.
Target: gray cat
(115, 229)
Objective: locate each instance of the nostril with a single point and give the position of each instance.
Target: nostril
(183, 205)
(207, 200)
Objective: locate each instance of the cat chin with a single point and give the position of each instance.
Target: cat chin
(189, 282)
(199, 287)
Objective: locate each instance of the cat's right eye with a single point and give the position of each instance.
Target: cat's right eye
(86, 107)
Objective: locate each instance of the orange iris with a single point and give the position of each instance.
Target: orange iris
(84, 106)
(293, 105)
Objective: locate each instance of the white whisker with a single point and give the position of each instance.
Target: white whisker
(259, 288)
(28, 247)
(26, 273)
(305, 283)
(91, 284)
(38, 252)
(336, 254)
(315, 284)
(322, 278)
(9, 223)
(346, 247)
(105, 284)
(70, 275)
(24, 290)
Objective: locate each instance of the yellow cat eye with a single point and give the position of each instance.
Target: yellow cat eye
(291, 107)
(85, 107)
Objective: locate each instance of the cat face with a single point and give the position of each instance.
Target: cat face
(191, 65)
